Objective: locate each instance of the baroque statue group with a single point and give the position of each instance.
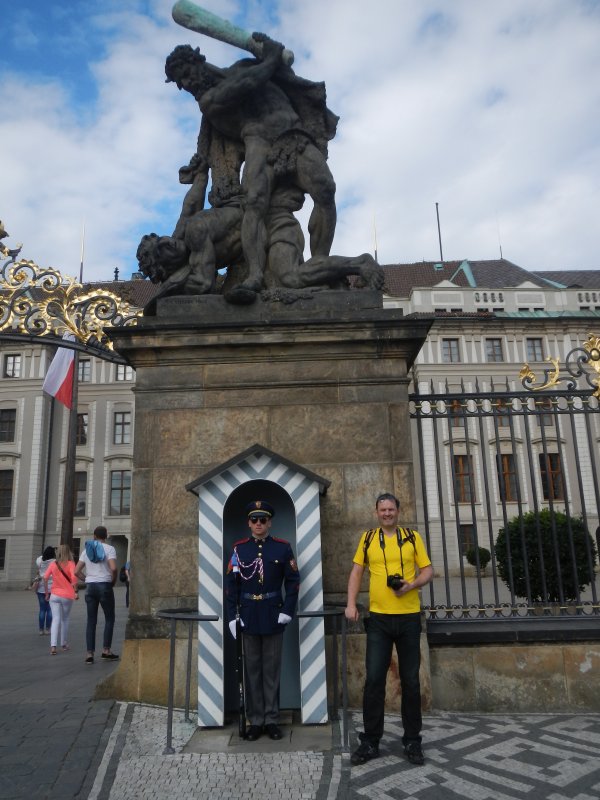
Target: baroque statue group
(261, 149)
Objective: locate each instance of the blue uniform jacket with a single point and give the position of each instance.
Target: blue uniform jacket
(279, 569)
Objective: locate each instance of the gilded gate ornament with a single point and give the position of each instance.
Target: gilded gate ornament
(36, 301)
(581, 362)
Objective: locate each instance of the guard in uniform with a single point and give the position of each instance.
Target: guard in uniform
(266, 564)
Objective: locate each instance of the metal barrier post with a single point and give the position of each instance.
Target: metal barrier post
(334, 613)
(189, 615)
(345, 732)
(188, 674)
(335, 711)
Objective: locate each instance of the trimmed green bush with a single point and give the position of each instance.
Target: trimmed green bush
(484, 557)
(535, 541)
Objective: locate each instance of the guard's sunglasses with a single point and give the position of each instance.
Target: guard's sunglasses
(262, 520)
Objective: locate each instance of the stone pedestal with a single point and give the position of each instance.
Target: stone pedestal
(322, 381)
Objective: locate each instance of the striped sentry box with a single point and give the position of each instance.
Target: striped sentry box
(304, 488)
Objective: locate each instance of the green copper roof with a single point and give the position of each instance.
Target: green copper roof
(465, 268)
(545, 314)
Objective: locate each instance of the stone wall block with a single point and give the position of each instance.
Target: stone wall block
(175, 564)
(582, 672)
(192, 436)
(404, 489)
(174, 507)
(519, 677)
(270, 395)
(143, 440)
(325, 434)
(452, 679)
(140, 590)
(400, 427)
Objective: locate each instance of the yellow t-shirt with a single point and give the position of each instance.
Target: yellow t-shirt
(382, 599)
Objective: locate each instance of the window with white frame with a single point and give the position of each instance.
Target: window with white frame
(12, 365)
(80, 494)
(122, 427)
(120, 492)
(493, 349)
(7, 477)
(124, 372)
(551, 475)
(8, 419)
(535, 349)
(450, 351)
(507, 477)
(84, 370)
(82, 429)
(464, 488)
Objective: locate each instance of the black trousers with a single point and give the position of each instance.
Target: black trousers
(262, 656)
(383, 632)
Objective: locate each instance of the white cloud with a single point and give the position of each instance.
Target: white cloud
(490, 109)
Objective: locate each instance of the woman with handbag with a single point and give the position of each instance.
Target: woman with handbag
(62, 574)
(42, 563)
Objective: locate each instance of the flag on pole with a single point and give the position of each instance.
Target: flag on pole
(59, 378)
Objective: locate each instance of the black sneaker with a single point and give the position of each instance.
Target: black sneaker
(414, 753)
(365, 752)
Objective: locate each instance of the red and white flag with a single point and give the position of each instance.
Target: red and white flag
(59, 378)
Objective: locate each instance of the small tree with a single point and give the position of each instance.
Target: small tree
(484, 557)
(538, 540)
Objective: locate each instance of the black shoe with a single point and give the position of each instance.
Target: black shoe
(414, 753)
(365, 752)
(274, 731)
(253, 733)
(110, 656)
(89, 660)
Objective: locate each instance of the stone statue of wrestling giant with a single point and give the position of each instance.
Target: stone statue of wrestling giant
(259, 115)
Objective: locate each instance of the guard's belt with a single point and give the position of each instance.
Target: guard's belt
(266, 596)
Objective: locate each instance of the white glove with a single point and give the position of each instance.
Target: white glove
(283, 619)
(232, 627)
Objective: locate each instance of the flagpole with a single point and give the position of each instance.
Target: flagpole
(68, 509)
(82, 249)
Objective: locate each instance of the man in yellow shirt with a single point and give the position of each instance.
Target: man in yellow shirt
(398, 566)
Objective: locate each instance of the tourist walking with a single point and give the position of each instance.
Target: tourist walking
(45, 613)
(60, 575)
(99, 562)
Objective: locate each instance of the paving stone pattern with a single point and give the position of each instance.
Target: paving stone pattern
(500, 757)
(56, 743)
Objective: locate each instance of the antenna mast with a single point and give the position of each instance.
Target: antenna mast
(439, 232)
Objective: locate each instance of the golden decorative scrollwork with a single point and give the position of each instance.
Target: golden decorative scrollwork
(42, 302)
(580, 362)
(551, 376)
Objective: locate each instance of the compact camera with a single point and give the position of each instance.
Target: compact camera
(395, 581)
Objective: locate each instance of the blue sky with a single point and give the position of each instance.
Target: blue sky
(491, 109)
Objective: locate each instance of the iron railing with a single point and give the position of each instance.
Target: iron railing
(488, 457)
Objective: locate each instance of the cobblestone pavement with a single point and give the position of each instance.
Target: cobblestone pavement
(56, 742)
(134, 766)
(480, 757)
(500, 757)
(51, 731)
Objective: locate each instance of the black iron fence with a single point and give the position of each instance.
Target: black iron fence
(509, 500)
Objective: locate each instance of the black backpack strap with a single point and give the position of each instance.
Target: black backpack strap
(410, 535)
(368, 539)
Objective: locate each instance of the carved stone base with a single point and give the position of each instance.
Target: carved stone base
(323, 382)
